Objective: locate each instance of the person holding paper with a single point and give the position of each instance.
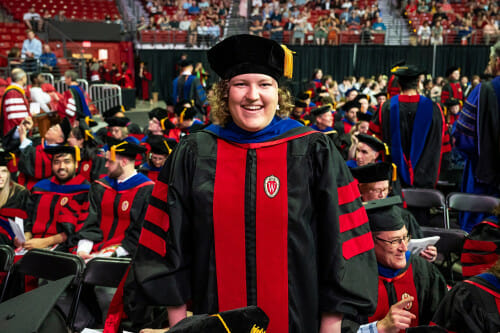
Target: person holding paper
(59, 204)
(13, 199)
(409, 288)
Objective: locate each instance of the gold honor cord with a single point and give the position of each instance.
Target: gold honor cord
(222, 321)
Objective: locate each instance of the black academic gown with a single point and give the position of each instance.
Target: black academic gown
(471, 306)
(215, 198)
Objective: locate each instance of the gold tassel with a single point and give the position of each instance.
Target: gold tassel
(257, 329)
(394, 69)
(394, 172)
(87, 120)
(162, 123)
(387, 152)
(77, 154)
(88, 135)
(445, 111)
(13, 158)
(181, 116)
(168, 148)
(288, 68)
(122, 108)
(113, 150)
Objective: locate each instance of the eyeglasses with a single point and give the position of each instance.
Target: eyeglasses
(396, 242)
(379, 190)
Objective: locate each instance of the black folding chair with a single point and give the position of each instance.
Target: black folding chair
(103, 272)
(427, 198)
(50, 265)
(6, 260)
(449, 247)
(474, 203)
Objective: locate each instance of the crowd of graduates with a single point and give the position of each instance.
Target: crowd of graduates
(87, 191)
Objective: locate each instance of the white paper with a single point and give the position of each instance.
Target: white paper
(34, 108)
(418, 245)
(18, 228)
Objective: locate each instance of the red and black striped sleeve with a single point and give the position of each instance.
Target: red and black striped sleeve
(35, 162)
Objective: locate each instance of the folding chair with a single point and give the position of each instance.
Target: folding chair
(427, 198)
(104, 272)
(6, 261)
(50, 265)
(475, 203)
(449, 246)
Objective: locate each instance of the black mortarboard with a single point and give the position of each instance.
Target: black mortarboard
(350, 90)
(322, 109)
(27, 312)
(184, 63)
(363, 116)
(384, 214)
(242, 54)
(6, 157)
(451, 102)
(371, 141)
(64, 149)
(408, 71)
(84, 127)
(160, 145)
(361, 96)
(382, 93)
(249, 319)
(112, 111)
(351, 104)
(397, 64)
(89, 121)
(158, 113)
(66, 128)
(304, 95)
(373, 172)
(450, 70)
(185, 112)
(300, 104)
(128, 147)
(117, 121)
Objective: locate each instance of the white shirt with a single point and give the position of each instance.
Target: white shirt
(40, 96)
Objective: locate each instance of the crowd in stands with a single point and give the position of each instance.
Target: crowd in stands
(465, 23)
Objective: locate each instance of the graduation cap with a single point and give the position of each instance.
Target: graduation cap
(85, 129)
(300, 104)
(184, 63)
(351, 104)
(28, 312)
(66, 128)
(184, 112)
(242, 54)
(158, 113)
(363, 96)
(371, 173)
(397, 64)
(382, 93)
(89, 121)
(64, 149)
(408, 71)
(363, 116)
(452, 101)
(129, 147)
(160, 145)
(321, 110)
(6, 157)
(113, 111)
(450, 70)
(371, 141)
(304, 95)
(117, 121)
(350, 90)
(385, 214)
(245, 320)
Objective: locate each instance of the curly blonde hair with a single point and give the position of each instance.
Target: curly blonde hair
(219, 103)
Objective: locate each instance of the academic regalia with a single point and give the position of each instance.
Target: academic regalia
(188, 87)
(481, 248)
(14, 107)
(57, 208)
(476, 137)
(156, 144)
(15, 206)
(116, 212)
(452, 89)
(146, 85)
(92, 169)
(74, 104)
(419, 141)
(471, 306)
(227, 269)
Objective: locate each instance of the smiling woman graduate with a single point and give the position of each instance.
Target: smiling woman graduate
(255, 210)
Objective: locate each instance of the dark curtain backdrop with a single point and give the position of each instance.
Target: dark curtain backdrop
(338, 61)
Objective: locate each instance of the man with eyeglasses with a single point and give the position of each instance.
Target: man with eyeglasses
(409, 288)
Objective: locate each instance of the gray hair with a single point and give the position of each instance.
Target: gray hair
(71, 74)
(17, 74)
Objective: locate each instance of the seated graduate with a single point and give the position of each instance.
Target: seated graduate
(409, 288)
(323, 118)
(368, 149)
(186, 119)
(118, 205)
(375, 182)
(58, 204)
(34, 162)
(482, 246)
(299, 113)
(158, 149)
(472, 305)
(349, 119)
(159, 123)
(13, 199)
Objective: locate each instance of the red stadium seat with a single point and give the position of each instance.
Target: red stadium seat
(180, 37)
(147, 36)
(165, 37)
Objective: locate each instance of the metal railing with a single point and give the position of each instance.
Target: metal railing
(105, 96)
(61, 86)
